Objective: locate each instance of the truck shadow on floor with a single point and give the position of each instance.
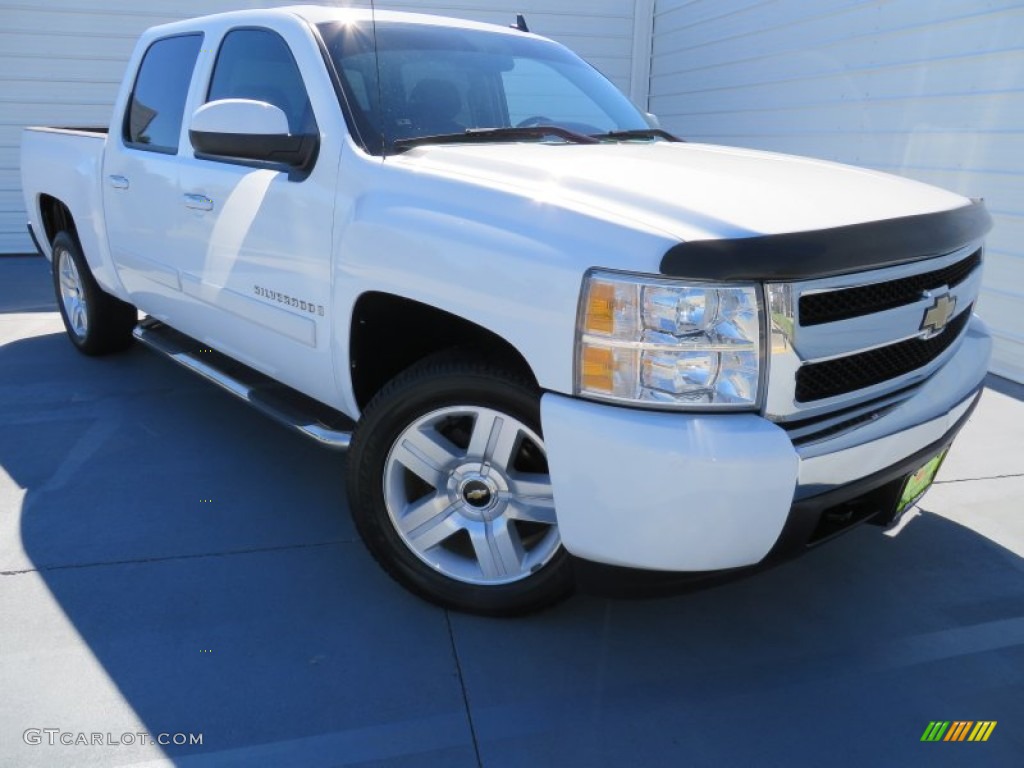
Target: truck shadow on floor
(205, 557)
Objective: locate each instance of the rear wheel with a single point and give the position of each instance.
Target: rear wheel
(450, 490)
(96, 322)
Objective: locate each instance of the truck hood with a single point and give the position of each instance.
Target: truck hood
(688, 191)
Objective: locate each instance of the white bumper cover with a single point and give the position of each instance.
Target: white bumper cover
(666, 491)
(696, 492)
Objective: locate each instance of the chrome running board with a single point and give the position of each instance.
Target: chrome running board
(303, 414)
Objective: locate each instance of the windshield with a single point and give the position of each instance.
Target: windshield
(437, 80)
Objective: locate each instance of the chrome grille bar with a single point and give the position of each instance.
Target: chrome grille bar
(829, 367)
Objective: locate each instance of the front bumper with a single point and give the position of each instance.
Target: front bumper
(710, 492)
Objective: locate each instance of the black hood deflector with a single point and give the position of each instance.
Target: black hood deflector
(826, 252)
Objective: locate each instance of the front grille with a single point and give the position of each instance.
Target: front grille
(842, 304)
(835, 422)
(830, 378)
(843, 426)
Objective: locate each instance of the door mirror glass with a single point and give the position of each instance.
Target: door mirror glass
(245, 129)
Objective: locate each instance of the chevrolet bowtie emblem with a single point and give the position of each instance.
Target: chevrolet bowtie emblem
(938, 314)
(477, 494)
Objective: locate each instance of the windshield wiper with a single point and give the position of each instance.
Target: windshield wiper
(639, 133)
(484, 135)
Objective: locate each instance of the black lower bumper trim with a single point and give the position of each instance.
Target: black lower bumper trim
(812, 521)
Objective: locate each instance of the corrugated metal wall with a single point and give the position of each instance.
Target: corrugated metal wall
(931, 90)
(61, 61)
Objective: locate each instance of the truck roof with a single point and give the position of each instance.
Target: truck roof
(318, 14)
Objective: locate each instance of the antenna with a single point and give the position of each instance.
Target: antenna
(520, 23)
(380, 86)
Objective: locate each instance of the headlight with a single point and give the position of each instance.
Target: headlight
(668, 343)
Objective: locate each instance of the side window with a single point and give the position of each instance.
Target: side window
(257, 64)
(157, 104)
(358, 85)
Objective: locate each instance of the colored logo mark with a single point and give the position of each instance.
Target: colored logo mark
(958, 730)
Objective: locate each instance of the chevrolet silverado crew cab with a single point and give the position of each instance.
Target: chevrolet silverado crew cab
(558, 342)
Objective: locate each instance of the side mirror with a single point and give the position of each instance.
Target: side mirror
(652, 120)
(249, 130)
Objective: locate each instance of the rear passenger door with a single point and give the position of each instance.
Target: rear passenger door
(141, 199)
(258, 237)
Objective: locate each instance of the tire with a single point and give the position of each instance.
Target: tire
(96, 322)
(449, 488)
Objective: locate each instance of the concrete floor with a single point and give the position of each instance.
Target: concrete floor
(172, 562)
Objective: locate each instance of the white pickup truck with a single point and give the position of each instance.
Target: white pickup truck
(560, 343)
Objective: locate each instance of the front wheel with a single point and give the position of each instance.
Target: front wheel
(450, 490)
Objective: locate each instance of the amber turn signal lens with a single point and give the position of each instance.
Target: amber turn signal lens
(598, 369)
(600, 317)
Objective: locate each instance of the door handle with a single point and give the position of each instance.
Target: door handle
(118, 182)
(198, 202)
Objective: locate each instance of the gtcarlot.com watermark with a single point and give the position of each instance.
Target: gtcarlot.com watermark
(56, 736)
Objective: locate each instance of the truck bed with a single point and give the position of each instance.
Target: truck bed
(65, 162)
(77, 130)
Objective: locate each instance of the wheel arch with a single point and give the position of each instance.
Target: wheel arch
(381, 345)
(56, 217)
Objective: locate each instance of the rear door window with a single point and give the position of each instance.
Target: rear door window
(157, 104)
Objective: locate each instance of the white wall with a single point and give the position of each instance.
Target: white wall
(933, 90)
(61, 61)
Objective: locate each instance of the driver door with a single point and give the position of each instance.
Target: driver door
(258, 236)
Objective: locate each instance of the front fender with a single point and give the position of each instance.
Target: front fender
(506, 262)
